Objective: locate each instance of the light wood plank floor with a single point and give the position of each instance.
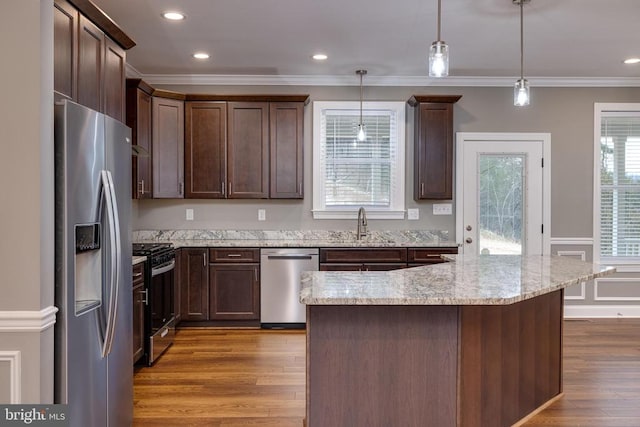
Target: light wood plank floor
(233, 378)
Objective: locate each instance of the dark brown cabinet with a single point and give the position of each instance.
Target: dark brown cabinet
(89, 66)
(139, 120)
(205, 150)
(139, 300)
(245, 147)
(362, 259)
(194, 284)
(114, 78)
(234, 284)
(286, 156)
(433, 146)
(248, 150)
(427, 256)
(65, 24)
(168, 147)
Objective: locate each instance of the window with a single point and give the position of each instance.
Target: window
(348, 173)
(617, 213)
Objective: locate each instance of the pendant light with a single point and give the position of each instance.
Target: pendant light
(361, 135)
(439, 54)
(521, 94)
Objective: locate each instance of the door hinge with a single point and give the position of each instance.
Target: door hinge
(542, 161)
(542, 228)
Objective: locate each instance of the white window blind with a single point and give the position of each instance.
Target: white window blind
(620, 185)
(349, 173)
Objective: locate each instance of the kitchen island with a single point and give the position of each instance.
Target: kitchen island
(473, 342)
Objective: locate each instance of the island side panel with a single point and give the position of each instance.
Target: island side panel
(381, 365)
(510, 359)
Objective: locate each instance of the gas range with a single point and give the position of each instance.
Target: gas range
(156, 253)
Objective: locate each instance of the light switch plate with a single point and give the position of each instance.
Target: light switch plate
(189, 214)
(262, 215)
(413, 214)
(442, 209)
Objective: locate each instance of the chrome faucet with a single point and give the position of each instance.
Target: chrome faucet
(362, 224)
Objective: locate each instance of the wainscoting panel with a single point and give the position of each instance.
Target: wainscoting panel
(10, 372)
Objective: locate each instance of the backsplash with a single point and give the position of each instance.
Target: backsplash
(414, 236)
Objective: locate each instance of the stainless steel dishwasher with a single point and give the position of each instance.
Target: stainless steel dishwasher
(280, 271)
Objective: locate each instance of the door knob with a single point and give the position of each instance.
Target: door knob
(468, 240)
(469, 228)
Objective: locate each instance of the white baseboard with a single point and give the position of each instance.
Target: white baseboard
(601, 311)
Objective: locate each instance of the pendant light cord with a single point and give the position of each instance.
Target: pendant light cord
(439, 15)
(521, 39)
(361, 99)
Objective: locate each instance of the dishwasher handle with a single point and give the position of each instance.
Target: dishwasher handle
(290, 256)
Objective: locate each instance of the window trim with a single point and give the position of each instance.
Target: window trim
(602, 109)
(397, 211)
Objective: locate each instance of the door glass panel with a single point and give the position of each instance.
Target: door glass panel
(501, 204)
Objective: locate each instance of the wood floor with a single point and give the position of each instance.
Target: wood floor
(254, 378)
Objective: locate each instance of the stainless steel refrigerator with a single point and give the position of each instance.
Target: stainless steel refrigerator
(93, 335)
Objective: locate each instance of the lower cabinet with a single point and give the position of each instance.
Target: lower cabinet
(219, 284)
(139, 297)
(234, 292)
(363, 259)
(194, 284)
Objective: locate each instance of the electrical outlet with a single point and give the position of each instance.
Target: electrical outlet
(189, 215)
(442, 209)
(413, 214)
(262, 215)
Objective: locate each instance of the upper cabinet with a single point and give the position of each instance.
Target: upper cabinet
(248, 150)
(139, 120)
(89, 58)
(168, 145)
(205, 149)
(244, 148)
(287, 157)
(433, 146)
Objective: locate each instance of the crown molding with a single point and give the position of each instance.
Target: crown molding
(28, 321)
(328, 80)
(131, 72)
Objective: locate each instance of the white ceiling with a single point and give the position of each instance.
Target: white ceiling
(565, 40)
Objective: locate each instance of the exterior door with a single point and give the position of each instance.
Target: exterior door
(500, 197)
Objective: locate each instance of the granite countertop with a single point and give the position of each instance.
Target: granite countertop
(294, 238)
(139, 259)
(467, 280)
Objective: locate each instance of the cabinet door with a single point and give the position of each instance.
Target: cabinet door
(138, 311)
(168, 148)
(139, 120)
(433, 151)
(194, 284)
(65, 48)
(114, 80)
(234, 292)
(90, 58)
(248, 150)
(205, 150)
(286, 146)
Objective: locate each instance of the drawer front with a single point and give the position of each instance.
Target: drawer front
(234, 255)
(353, 255)
(429, 255)
(138, 274)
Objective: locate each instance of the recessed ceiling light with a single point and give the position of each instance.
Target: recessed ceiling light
(173, 16)
(319, 56)
(632, 61)
(201, 55)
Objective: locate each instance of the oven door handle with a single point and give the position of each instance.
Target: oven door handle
(163, 268)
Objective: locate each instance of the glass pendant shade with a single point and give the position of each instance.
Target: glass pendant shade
(439, 59)
(521, 93)
(361, 133)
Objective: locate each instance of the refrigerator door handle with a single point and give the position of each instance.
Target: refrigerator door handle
(114, 234)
